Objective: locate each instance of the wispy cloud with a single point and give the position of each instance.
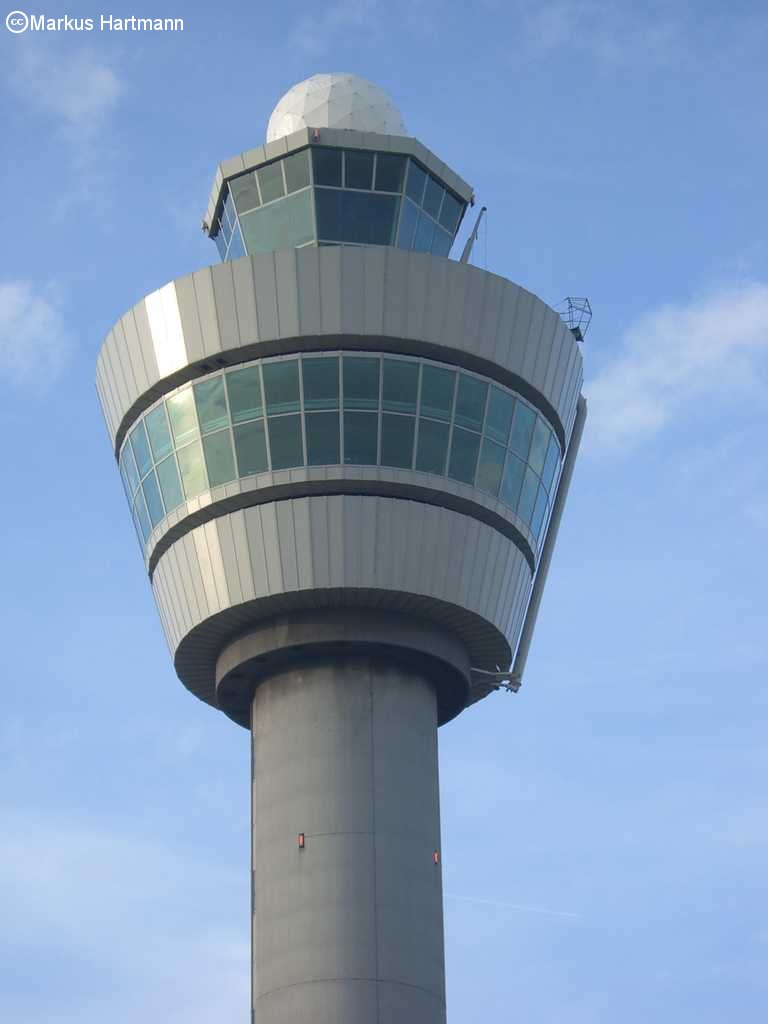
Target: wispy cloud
(715, 347)
(506, 905)
(314, 34)
(34, 341)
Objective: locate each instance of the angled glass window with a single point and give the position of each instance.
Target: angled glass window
(437, 386)
(522, 429)
(358, 169)
(221, 244)
(397, 440)
(154, 501)
(400, 385)
(281, 386)
(361, 382)
(323, 445)
(368, 219)
(245, 192)
(513, 481)
(390, 171)
(528, 495)
(129, 470)
(211, 404)
(361, 434)
(236, 247)
(464, 449)
(170, 485)
(433, 197)
(219, 459)
(414, 186)
(228, 213)
(326, 166)
(244, 390)
(251, 448)
(192, 469)
(408, 221)
(539, 445)
(321, 383)
(181, 413)
(283, 225)
(550, 463)
(490, 466)
(432, 447)
(441, 242)
(470, 402)
(142, 516)
(158, 432)
(328, 207)
(296, 167)
(271, 182)
(539, 511)
(450, 213)
(141, 450)
(285, 445)
(425, 232)
(500, 409)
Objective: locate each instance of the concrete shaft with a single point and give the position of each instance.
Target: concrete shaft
(349, 929)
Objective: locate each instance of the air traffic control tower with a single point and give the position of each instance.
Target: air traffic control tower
(346, 456)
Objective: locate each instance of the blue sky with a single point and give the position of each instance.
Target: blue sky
(605, 831)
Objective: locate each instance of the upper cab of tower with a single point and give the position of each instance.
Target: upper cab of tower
(337, 169)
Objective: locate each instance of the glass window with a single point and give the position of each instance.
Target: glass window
(181, 413)
(470, 402)
(450, 213)
(397, 440)
(528, 495)
(271, 182)
(219, 459)
(513, 481)
(365, 219)
(128, 469)
(360, 438)
(251, 448)
(361, 383)
(244, 390)
(441, 243)
(433, 197)
(490, 467)
(228, 211)
(390, 170)
(321, 383)
(192, 469)
(500, 408)
(285, 441)
(141, 450)
(154, 501)
(358, 169)
(400, 385)
(281, 386)
(282, 225)
(437, 388)
(170, 484)
(408, 221)
(425, 232)
(296, 168)
(417, 179)
(551, 462)
(539, 511)
(323, 447)
(432, 447)
(245, 192)
(329, 214)
(326, 164)
(221, 243)
(539, 445)
(211, 404)
(236, 247)
(522, 429)
(140, 508)
(464, 448)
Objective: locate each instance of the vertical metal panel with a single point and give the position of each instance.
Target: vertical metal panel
(242, 554)
(374, 263)
(256, 551)
(286, 532)
(435, 304)
(267, 515)
(308, 287)
(395, 290)
(533, 343)
(226, 307)
(134, 345)
(190, 318)
(472, 314)
(507, 317)
(230, 568)
(302, 539)
(415, 290)
(287, 293)
(330, 289)
(245, 301)
(335, 508)
(318, 527)
(206, 308)
(352, 291)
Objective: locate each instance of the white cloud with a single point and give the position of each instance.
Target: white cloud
(34, 342)
(715, 348)
(316, 33)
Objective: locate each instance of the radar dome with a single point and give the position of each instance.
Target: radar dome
(337, 100)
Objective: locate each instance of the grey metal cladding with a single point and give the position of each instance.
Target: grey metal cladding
(382, 298)
(333, 550)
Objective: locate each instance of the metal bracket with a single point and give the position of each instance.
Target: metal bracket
(498, 680)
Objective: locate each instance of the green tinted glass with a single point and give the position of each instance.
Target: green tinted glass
(400, 385)
(361, 383)
(323, 448)
(245, 192)
(397, 440)
(551, 462)
(432, 447)
(360, 438)
(181, 413)
(490, 467)
(140, 508)
(539, 445)
(539, 511)
(141, 450)
(282, 225)
(522, 429)
(464, 448)
(513, 481)
(192, 469)
(270, 182)
(128, 469)
(159, 434)
(281, 386)
(154, 501)
(437, 392)
(219, 459)
(244, 390)
(211, 404)
(285, 441)
(251, 447)
(321, 383)
(499, 420)
(296, 167)
(528, 495)
(470, 402)
(170, 485)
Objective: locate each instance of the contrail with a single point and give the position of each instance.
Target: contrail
(512, 906)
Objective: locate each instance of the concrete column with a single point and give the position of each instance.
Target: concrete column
(349, 929)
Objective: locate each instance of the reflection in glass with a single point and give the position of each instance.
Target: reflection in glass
(245, 192)
(470, 402)
(271, 182)
(281, 386)
(432, 447)
(550, 464)
(244, 390)
(170, 485)
(397, 440)
(282, 225)
(236, 246)
(400, 385)
(417, 179)
(251, 448)
(490, 467)
(464, 448)
(539, 511)
(513, 481)
(361, 383)
(321, 383)
(142, 515)
(528, 495)
(361, 438)
(192, 469)
(159, 434)
(358, 169)
(296, 167)
(128, 469)
(181, 412)
(408, 221)
(219, 459)
(539, 445)
(424, 234)
(437, 388)
(433, 197)
(500, 408)
(154, 501)
(522, 429)
(285, 445)
(323, 447)
(211, 404)
(141, 449)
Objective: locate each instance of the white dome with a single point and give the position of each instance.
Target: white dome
(337, 100)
